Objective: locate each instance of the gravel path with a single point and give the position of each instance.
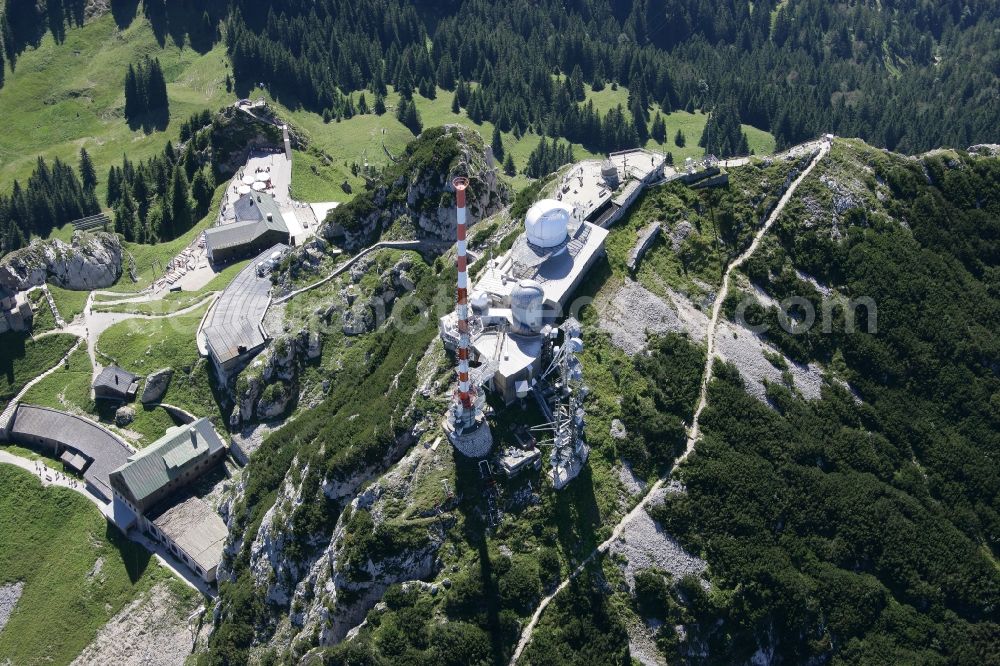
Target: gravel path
(647, 545)
(640, 508)
(9, 594)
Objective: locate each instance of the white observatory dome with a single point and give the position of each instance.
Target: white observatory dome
(527, 305)
(546, 223)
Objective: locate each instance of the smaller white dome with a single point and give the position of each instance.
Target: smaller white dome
(546, 223)
(527, 303)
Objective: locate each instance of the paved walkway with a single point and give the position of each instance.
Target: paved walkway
(398, 245)
(694, 431)
(95, 323)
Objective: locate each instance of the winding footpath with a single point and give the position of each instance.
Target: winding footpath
(694, 431)
(13, 403)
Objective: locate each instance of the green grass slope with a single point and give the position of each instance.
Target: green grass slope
(335, 146)
(63, 97)
(77, 571)
(22, 359)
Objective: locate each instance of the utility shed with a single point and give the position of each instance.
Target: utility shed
(259, 224)
(179, 457)
(116, 384)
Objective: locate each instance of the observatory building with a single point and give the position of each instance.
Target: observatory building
(555, 251)
(521, 294)
(507, 338)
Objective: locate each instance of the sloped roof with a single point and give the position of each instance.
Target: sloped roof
(80, 434)
(155, 466)
(256, 214)
(115, 378)
(196, 529)
(255, 207)
(234, 321)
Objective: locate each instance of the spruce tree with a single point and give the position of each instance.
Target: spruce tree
(156, 91)
(497, 144)
(201, 190)
(639, 121)
(114, 187)
(133, 104)
(659, 129)
(576, 84)
(180, 205)
(508, 166)
(408, 115)
(125, 216)
(679, 139)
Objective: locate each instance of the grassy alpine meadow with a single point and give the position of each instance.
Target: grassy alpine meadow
(78, 571)
(69, 303)
(64, 97)
(335, 146)
(67, 388)
(143, 346)
(22, 359)
(43, 320)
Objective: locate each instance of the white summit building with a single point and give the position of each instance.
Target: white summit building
(522, 294)
(555, 251)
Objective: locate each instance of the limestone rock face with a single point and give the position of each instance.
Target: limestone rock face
(156, 386)
(273, 401)
(279, 360)
(359, 319)
(247, 393)
(314, 345)
(93, 260)
(419, 187)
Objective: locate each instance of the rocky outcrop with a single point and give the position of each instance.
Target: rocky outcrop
(274, 401)
(93, 260)
(156, 385)
(267, 387)
(356, 315)
(124, 416)
(419, 188)
(234, 131)
(342, 586)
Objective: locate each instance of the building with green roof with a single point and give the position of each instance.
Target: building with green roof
(179, 457)
(152, 487)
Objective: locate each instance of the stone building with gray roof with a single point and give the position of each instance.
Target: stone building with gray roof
(116, 384)
(193, 532)
(88, 448)
(151, 485)
(233, 328)
(258, 225)
(168, 464)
